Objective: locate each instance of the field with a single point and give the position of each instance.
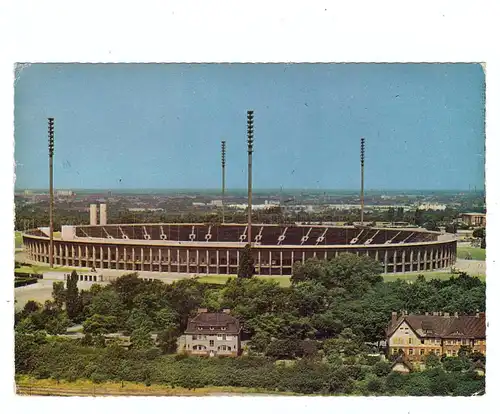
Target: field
(284, 281)
(475, 252)
(41, 268)
(31, 386)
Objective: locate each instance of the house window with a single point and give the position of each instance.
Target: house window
(401, 328)
(200, 328)
(410, 351)
(223, 328)
(422, 351)
(422, 341)
(464, 341)
(219, 337)
(223, 337)
(211, 328)
(194, 338)
(438, 352)
(229, 337)
(454, 353)
(394, 351)
(410, 340)
(211, 343)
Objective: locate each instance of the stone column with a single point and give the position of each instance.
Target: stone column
(303, 257)
(160, 259)
(292, 258)
(431, 260)
(228, 269)
(208, 262)
(217, 261)
(133, 258)
(386, 260)
(418, 260)
(94, 264)
(125, 261)
(376, 255)
(66, 254)
(270, 263)
(188, 262)
(178, 261)
(394, 261)
(117, 258)
(197, 260)
(101, 257)
(169, 259)
(426, 264)
(151, 261)
(260, 262)
(109, 257)
(281, 263)
(403, 261)
(411, 260)
(142, 258)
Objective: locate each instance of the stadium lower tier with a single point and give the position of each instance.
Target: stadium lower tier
(223, 258)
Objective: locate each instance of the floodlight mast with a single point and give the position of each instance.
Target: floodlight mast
(362, 195)
(51, 191)
(223, 149)
(250, 151)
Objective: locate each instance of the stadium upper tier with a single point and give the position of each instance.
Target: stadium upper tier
(205, 248)
(265, 235)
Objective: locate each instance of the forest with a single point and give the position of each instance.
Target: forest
(318, 336)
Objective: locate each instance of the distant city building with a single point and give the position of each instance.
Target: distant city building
(217, 203)
(64, 193)
(474, 219)
(431, 206)
(143, 209)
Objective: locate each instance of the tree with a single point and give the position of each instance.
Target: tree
(141, 339)
(59, 294)
(418, 217)
(246, 268)
(451, 228)
(479, 233)
(73, 304)
(167, 339)
(100, 324)
(431, 226)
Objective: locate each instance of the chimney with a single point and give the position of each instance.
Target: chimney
(103, 215)
(394, 318)
(202, 310)
(93, 214)
(228, 311)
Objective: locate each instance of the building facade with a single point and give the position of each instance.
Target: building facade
(474, 219)
(212, 334)
(416, 336)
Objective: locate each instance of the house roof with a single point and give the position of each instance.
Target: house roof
(213, 323)
(402, 360)
(439, 326)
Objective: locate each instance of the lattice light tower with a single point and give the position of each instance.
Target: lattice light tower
(250, 151)
(51, 191)
(223, 159)
(362, 195)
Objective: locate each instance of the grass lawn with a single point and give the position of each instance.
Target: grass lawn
(30, 385)
(45, 268)
(284, 281)
(18, 239)
(427, 275)
(475, 252)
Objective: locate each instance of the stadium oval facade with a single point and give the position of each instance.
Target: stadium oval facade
(216, 249)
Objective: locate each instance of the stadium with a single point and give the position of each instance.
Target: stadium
(216, 249)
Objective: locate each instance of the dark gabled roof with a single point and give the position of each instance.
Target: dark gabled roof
(439, 326)
(202, 323)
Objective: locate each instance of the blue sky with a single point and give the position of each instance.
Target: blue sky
(160, 126)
